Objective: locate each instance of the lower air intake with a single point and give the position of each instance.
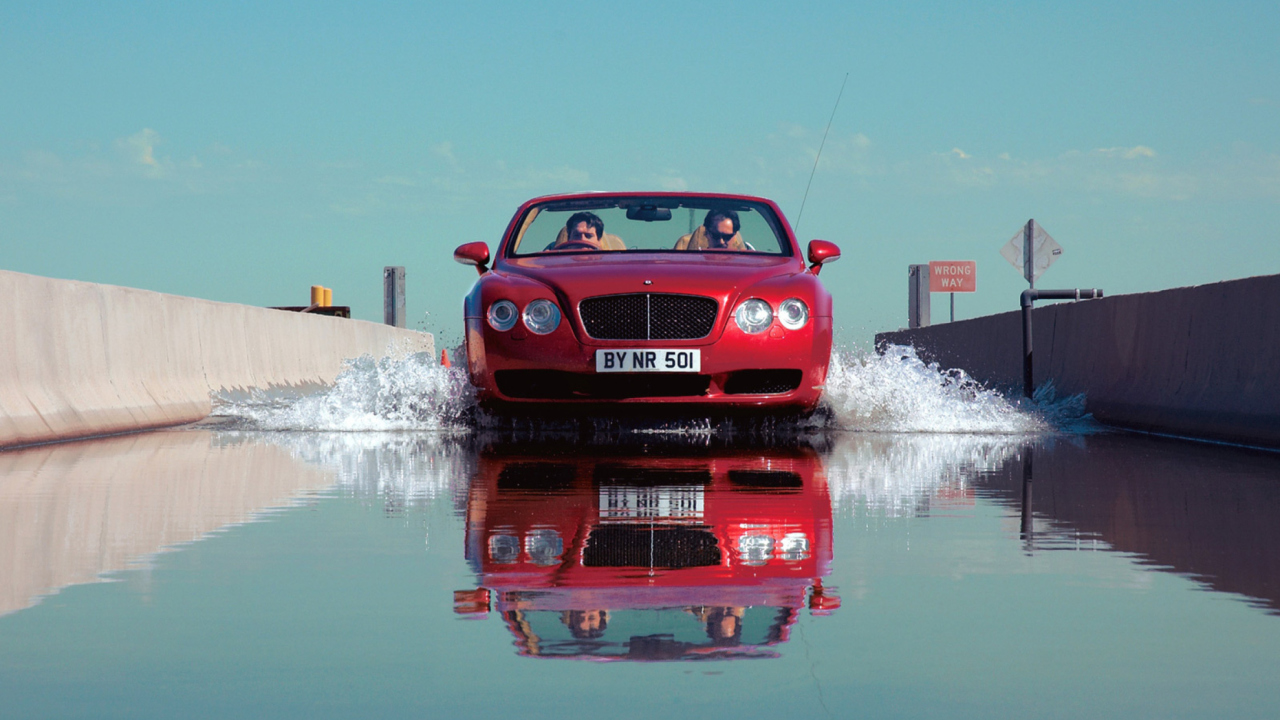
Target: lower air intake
(762, 382)
(560, 385)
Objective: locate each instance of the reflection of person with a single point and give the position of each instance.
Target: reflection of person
(585, 231)
(586, 624)
(724, 624)
(718, 231)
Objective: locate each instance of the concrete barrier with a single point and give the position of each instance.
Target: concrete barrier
(1199, 361)
(81, 359)
(72, 512)
(1194, 511)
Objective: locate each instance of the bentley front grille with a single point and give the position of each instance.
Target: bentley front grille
(655, 546)
(648, 316)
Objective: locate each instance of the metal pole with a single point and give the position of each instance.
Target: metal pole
(1029, 252)
(1028, 382)
(1026, 525)
(1027, 300)
(917, 296)
(393, 296)
(953, 307)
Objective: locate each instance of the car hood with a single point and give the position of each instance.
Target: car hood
(720, 275)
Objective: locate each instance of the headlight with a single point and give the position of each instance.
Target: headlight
(541, 316)
(793, 313)
(503, 315)
(795, 546)
(755, 549)
(754, 316)
(544, 546)
(504, 548)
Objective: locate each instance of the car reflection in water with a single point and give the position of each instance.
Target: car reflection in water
(686, 557)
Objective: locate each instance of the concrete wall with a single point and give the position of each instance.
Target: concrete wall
(71, 512)
(1182, 507)
(1200, 361)
(81, 359)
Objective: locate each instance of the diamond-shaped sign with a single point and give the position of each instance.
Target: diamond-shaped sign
(1045, 251)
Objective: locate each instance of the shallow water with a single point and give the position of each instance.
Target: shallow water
(633, 572)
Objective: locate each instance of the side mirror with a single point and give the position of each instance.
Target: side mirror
(821, 251)
(477, 253)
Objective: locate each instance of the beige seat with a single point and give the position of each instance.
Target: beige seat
(697, 240)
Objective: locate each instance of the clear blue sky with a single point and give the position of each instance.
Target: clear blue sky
(244, 151)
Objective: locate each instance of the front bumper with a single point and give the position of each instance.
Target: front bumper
(776, 369)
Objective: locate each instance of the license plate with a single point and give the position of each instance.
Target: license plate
(631, 504)
(649, 360)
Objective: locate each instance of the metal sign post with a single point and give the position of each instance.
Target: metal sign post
(1029, 252)
(1032, 251)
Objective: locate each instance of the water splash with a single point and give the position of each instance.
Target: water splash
(896, 391)
(890, 392)
(404, 470)
(408, 393)
(898, 476)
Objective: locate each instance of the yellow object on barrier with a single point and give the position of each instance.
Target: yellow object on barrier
(317, 295)
(328, 298)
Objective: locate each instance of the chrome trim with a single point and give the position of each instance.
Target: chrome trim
(648, 314)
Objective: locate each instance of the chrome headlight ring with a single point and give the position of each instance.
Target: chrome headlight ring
(541, 317)
(793, 313)
(502, 315)
(753, 316)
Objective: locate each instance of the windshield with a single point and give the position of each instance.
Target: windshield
(650, 225)
(673, 633)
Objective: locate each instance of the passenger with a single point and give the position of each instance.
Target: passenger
(585, 231)
(718, 231)
(724, 625)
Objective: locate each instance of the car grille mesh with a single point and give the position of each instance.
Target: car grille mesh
(648, 316)
(655, 546)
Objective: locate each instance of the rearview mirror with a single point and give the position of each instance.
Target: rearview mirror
(821, 251)
(473, 253)
(648, 213)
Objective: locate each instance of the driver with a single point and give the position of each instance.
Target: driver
(586, 624)
(718, 231)
(585, 231)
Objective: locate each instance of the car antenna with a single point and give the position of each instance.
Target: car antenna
(815, 160)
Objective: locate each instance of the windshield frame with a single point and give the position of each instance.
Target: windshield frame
(767, 209)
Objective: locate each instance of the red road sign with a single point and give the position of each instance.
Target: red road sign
(953, 276)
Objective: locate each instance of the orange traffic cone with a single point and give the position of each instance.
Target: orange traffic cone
(444, 358)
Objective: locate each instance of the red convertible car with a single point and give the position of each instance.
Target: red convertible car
(619, 298)
(656, 556)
